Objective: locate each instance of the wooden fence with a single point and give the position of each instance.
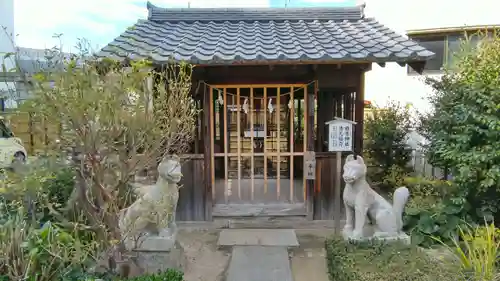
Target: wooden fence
(36, 133)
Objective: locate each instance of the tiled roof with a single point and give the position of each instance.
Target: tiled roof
(231, 36)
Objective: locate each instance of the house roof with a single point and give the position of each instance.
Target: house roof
(263, 35)
(452, 29)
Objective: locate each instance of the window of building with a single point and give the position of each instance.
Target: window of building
(446, 47)
(435, 44)
(462, 42)
(454, 47)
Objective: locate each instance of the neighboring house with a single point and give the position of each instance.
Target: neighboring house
(437, 25)
(28, 61)
(13, 88)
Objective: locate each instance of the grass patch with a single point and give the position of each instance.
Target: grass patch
(379, 261)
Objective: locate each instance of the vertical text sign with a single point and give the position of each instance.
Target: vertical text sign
(340, 134)
(310, 165)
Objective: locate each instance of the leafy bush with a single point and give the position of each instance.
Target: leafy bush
(376, 261)
(28, 252)
(477, 249)
(33, 243)
(463, 126)
(427, 193)
(393, 177)
(169, 275)
(433, 211)
(385, 146)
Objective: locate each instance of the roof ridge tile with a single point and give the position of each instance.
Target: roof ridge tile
(158, 14)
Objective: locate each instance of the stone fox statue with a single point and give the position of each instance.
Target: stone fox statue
(154, 212)
(361, 201)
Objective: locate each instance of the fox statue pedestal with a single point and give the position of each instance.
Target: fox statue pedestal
(362, 202)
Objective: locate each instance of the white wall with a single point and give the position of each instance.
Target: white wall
(392, 81)
(6, 46)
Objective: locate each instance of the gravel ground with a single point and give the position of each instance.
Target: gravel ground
(308, 260)
(204, 261)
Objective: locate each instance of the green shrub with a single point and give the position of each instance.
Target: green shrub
(34, 189)
(169, 275)
(31, 253)
(378, 261)
(393, 178)
(385, 147)
(434, 211)
(463, 124)
(478, 249)
(58, 189)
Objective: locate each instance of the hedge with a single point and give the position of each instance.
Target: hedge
(169, 275)
(379, 261)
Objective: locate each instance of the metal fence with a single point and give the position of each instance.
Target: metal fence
(422, 167)
(419, 164)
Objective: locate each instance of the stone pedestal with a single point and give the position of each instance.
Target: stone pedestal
(159, 254)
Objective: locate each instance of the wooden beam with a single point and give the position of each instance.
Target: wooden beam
(208, 151)
(309, 62)
(418, 66)
(238, 141)
(292, 143)
(225, 136)
(447, 30)
(212, 140)
(359, 114)
(264, 106)
(252, 158)
(309, 146)
(278, 123)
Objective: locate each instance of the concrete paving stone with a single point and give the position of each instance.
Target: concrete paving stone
(258, 237)
(259, 263)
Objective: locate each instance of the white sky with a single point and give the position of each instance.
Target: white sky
(101, 21)
(97, 20)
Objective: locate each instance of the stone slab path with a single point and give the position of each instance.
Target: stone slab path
(258, 237)
(259, 254)
(259, 263)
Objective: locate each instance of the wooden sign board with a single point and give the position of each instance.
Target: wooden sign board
(340, 134)
(310, 165)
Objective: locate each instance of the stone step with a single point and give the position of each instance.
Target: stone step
(259, 263)
(258, 237)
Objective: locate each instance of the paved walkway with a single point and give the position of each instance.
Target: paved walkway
(259, 254)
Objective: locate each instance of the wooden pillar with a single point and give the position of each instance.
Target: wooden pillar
(220, 172)
(347, 105)
(326, 109)
(359, 114)
(207, 119)
(338, 104)
(309, 98)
